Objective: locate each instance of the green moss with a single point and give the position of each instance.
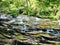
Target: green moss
(20, 36)
(57, 43)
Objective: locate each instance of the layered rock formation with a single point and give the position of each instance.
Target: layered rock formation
(23, 24)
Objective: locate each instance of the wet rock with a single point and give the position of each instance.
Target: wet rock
(5, 17)
(23, 24)
(15, 42)
(27, 20)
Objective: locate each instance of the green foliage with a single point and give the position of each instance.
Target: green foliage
(40, 8)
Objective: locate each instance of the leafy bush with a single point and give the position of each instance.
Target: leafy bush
(40, 8)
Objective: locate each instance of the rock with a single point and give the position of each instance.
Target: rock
(15, 42)
(6, 17)
(58, 22)
(23, 23)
